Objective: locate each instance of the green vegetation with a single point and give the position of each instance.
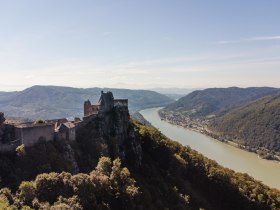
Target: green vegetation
(256, 125)
(109, 186)
(51, 102)
(171, 176)
(250, 117)
(28, 162)
(203, 179)
(214, 101)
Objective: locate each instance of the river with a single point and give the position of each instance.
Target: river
(234, 158)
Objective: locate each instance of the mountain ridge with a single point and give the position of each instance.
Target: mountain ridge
(251, 119)
(46, 102)
(214, 101)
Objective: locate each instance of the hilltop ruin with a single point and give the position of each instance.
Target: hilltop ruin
(13, 135)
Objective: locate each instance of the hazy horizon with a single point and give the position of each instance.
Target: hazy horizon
(166, 90)
(139, 44)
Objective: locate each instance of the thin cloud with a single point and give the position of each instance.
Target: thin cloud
(264, 38)
(252, 39)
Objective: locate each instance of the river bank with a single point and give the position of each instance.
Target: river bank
(226, 155)
(201, 126)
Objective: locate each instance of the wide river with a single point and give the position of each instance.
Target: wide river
(239, 160)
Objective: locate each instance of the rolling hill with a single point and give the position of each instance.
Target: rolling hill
(256, 125)
(215, 101)
(48, 102)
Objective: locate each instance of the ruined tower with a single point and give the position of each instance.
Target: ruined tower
(87, 108)
(90, 109)
(105, 104)
(106, 101)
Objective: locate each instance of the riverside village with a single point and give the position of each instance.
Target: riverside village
(14, 134)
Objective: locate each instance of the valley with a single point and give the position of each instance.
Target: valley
(139, 105)
(247, 118)
(225, 154)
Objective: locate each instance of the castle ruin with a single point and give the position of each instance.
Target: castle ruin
(13, 135)
(105, 104)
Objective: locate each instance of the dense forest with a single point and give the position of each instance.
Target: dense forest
(170, 176)
(216, 101)
(256, 125)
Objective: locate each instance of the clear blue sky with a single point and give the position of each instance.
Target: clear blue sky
(139, 44)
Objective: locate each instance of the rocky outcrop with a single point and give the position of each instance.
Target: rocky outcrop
(139, 117)
(120, 136)
(2, 120)
(7, 136)
(112, 135)
(69, 155)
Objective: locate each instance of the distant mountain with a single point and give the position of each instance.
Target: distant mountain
(54, 102)
(180, 91)
(174, 93)
(256, 125)
(215, 101)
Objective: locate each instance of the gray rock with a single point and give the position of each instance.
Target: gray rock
(2, 120)
(69, 155)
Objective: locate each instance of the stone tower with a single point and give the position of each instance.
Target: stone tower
(87, 108)
(106, 101)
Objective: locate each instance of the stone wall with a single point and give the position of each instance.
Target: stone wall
(30, 135)
(66, 133)
(90, 109)
(121, 102)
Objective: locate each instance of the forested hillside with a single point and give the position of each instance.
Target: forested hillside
(248, 116)
(256, 125)
(170, 176)
(50, 102)
(215, 101)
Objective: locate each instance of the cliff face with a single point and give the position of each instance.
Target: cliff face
(2, 120)
(69, 155)
(111, 134)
